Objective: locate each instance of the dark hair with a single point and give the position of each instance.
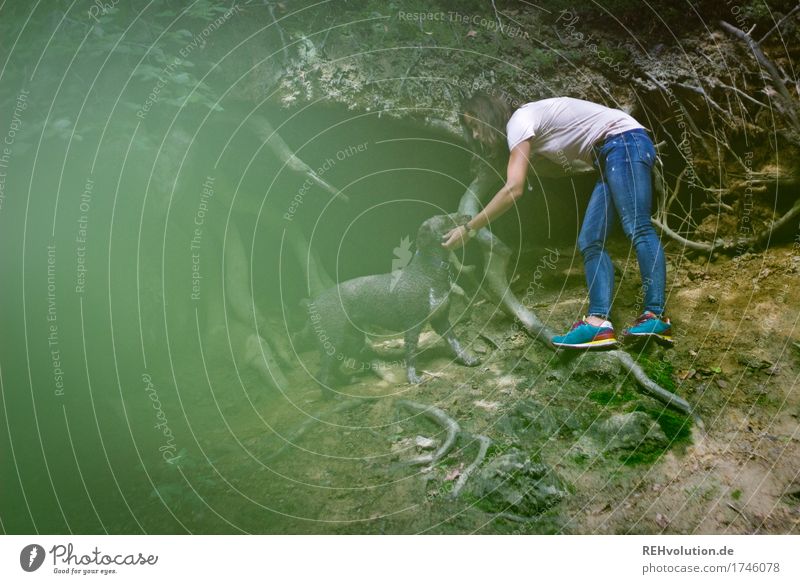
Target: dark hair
(492, 115)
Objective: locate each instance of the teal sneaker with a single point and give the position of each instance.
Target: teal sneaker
(587, 336)
(650, 325)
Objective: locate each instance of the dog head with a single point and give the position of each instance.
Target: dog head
(432, 231)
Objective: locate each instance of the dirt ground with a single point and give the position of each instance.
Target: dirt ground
(736, 360)
(287, 461)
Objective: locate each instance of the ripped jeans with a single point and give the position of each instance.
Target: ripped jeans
(624, 190)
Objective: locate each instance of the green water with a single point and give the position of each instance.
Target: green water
(104, 315)
(128, 405)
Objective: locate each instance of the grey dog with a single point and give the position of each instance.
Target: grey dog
(402, 301)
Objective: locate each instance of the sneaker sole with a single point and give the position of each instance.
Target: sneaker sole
(588, 345)
(666, 339)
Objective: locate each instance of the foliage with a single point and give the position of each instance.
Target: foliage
(115, 57)
(660, 370)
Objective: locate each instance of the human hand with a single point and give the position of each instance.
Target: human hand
(455, 238)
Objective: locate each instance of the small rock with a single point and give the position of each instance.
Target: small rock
(514, 483)
(630, 431)
(721, 383)
(602, 365)
(486, 405)
(753, 362)
(554, 375)
(662, 521)
(711, 299)
(425, 443)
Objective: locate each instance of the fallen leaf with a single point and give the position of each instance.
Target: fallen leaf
(472, 33)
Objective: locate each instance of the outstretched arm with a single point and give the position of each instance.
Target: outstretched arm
(501, 202)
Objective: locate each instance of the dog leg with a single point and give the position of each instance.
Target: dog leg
(411, 340)
(328, 374)
(445, 330)
(259, 354)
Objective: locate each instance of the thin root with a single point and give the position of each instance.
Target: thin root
(305, 426)
(515, 517)
(462, 480)
(441, 418)
(653, 388)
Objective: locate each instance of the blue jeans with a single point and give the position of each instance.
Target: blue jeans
(624, 189)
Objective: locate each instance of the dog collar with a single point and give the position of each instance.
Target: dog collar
(435, 261)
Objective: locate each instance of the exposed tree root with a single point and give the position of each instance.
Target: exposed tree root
(496, 256)
(457, 290)
(317, 278)
(462, 480)
(453, 431)
(779, 23)
(688, 243)
(653, 388)
(274, 142)
(311, 421)
(440, 417)
(734, 245)
(458, 267)
(261, 356)
(783, 102)
(515, 517)
(489, 339)
(789, 105)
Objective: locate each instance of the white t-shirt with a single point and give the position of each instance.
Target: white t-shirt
(564, 129)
